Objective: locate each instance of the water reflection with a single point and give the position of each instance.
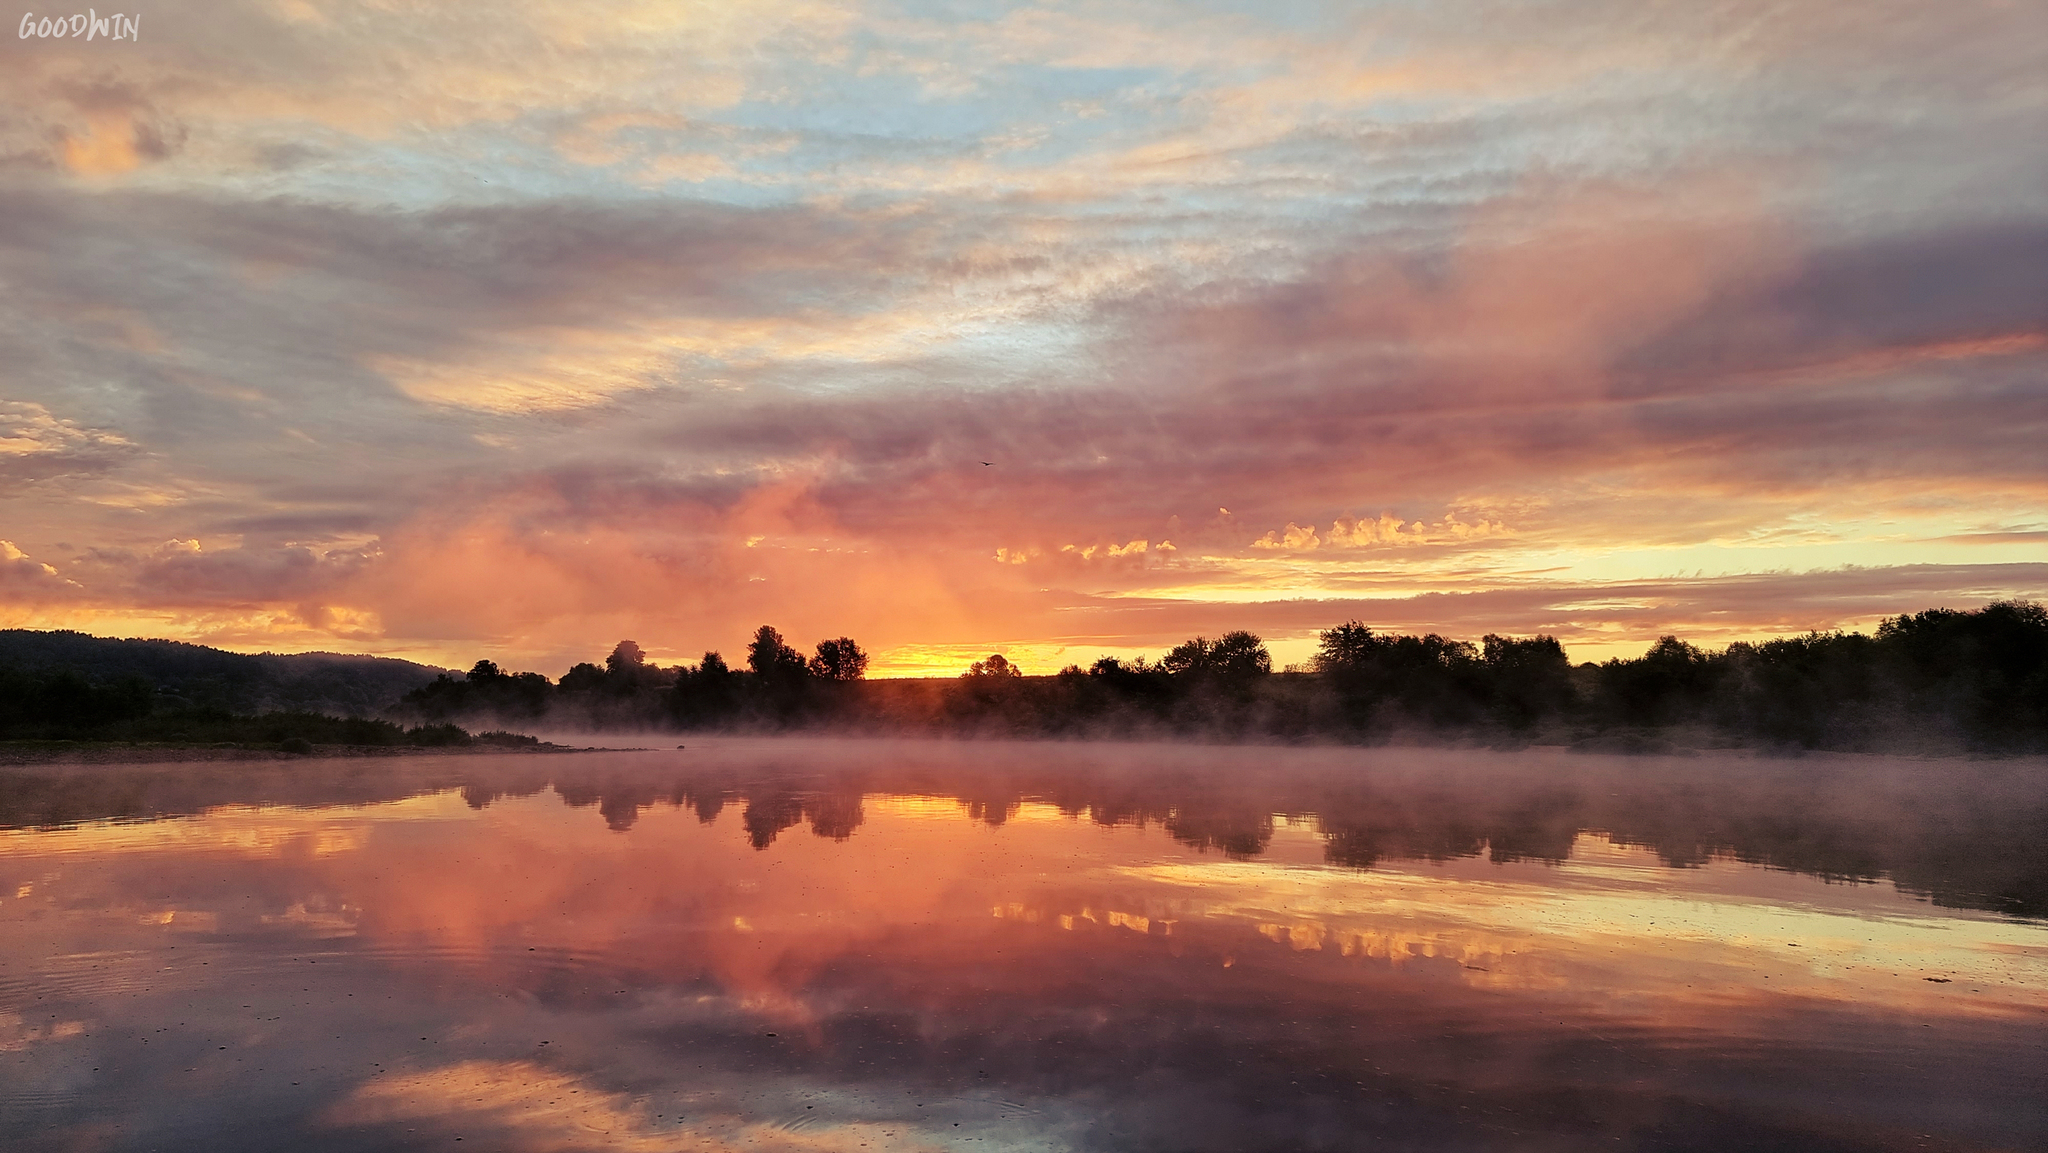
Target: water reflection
(1961, 833)
(788, 945)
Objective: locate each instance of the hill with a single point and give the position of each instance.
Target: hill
(195, 676)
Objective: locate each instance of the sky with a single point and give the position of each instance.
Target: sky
(513, 329)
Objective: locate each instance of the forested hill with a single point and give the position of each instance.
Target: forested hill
(193, 676)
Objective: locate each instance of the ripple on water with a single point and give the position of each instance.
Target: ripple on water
(796, 1122)
(97, 976)
(86, 976)
(496, 959)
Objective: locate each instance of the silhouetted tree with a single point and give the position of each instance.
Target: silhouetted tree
(582, 677)
(1529, 680)
(774, 661)
(1669, 684)
(1940, 680)
(1189, 656)
(996, 667)
(1124, 691)
(1806, 690)
(705, 695)
(1240, 654)
(626, 659)
(1400, 679)
(839, 660)
(1347, 647)
(780, 688)
(487, 694)
(1988, 669)
(632, 681)
(1212, 685)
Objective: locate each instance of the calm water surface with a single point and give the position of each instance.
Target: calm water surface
(863, 945)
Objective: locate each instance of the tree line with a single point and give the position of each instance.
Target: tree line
(1937, 681)
(63, 705)
(1943, 680)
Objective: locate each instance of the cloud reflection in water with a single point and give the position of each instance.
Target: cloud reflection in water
(1032, 946)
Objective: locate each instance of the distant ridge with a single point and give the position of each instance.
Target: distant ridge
(198, 676)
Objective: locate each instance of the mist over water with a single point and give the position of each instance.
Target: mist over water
(813, 944)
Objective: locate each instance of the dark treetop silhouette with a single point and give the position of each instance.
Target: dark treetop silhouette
(1937, 681)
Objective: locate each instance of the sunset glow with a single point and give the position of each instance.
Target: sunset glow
(513, 329)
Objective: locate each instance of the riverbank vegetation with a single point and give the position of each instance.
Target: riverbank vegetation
(1939, 681)
(64, 708)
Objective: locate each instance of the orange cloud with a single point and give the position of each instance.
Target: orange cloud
(106, 147)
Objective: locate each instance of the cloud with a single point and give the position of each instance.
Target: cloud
(182, 574)
(1388, 529)
(382, 306)
(525, 1106)
(24, 579)
(37, 445)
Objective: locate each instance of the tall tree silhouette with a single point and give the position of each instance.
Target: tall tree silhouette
(839, 660)
(706, 695)
(773, 660)
(625, 659)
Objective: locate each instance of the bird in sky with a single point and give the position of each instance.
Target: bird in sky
(989, 463)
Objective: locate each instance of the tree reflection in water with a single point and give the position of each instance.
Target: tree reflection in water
(1038, 946)
(1952, 831)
